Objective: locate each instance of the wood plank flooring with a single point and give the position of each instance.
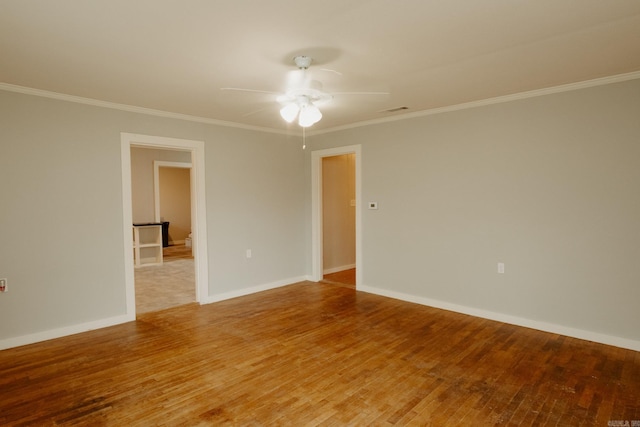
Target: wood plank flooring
(317, 354)
(344, 277)
(177, 252)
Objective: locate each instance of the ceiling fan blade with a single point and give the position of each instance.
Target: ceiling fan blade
(329, 70)
(251, 113)
(239, 89)
(360, 93)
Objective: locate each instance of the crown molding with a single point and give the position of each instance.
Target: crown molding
(439, 110)
(491, 101)
(132, 108)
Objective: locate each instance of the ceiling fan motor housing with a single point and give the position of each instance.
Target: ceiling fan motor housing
(302, 62)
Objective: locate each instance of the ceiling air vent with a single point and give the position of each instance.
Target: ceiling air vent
(394, 110)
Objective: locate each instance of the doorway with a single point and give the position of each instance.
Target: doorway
(194, 152)
(338, 219)
(172, 281)
(318, 223)
(172, 200)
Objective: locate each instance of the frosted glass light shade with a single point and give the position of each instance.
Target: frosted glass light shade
(289, 112)
(309, 115)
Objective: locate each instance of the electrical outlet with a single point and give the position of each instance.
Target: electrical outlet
(501, 267)
(248, 253)
(3, 285)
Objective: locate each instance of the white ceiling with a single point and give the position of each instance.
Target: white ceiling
(174, 56)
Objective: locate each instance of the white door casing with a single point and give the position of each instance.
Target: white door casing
(316, 209)
(198, 210)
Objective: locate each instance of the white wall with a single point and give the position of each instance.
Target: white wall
(61, 221)
(142, 185)
(549, 185)
(175, 202)
(256, 191)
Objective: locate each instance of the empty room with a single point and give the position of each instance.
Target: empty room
(389, 213)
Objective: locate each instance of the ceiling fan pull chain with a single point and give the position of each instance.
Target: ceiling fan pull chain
(304, 138)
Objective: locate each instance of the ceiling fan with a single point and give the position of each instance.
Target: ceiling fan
(303, 95)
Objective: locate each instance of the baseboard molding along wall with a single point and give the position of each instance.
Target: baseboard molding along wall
(513, 320)
(89, 326)
(485, 314)
(63, 332)
(252, 290)
(336, 269)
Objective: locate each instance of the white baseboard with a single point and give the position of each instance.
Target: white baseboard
(513, 320)
(63, 332)
(252, 290)
(485, 314)
(336, 269)
(103, 323)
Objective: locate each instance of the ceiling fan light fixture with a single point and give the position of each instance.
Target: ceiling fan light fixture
(289, 112)
(309, 115)
(303, 96)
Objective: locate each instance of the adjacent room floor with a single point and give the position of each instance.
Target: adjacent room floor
(344, 278)
(167, 285)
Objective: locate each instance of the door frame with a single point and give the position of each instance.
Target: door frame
(316, 209)
(198, 210)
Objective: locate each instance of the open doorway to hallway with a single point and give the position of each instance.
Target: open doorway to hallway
(337, 267)
(339, 219)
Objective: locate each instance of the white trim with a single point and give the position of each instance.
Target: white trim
(157, 164)
(473, 104)
(316, 208)
(134, 109)
(513, 320)
(62, 332)
(253, 289)
(198, 210)
(127, 217)
(337, 269)
(490, 101)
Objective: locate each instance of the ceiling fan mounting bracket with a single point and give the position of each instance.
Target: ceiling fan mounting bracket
(303, 62)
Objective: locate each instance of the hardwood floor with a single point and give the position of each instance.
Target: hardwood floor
(177, 251)
(344, 277)
(317, 354)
